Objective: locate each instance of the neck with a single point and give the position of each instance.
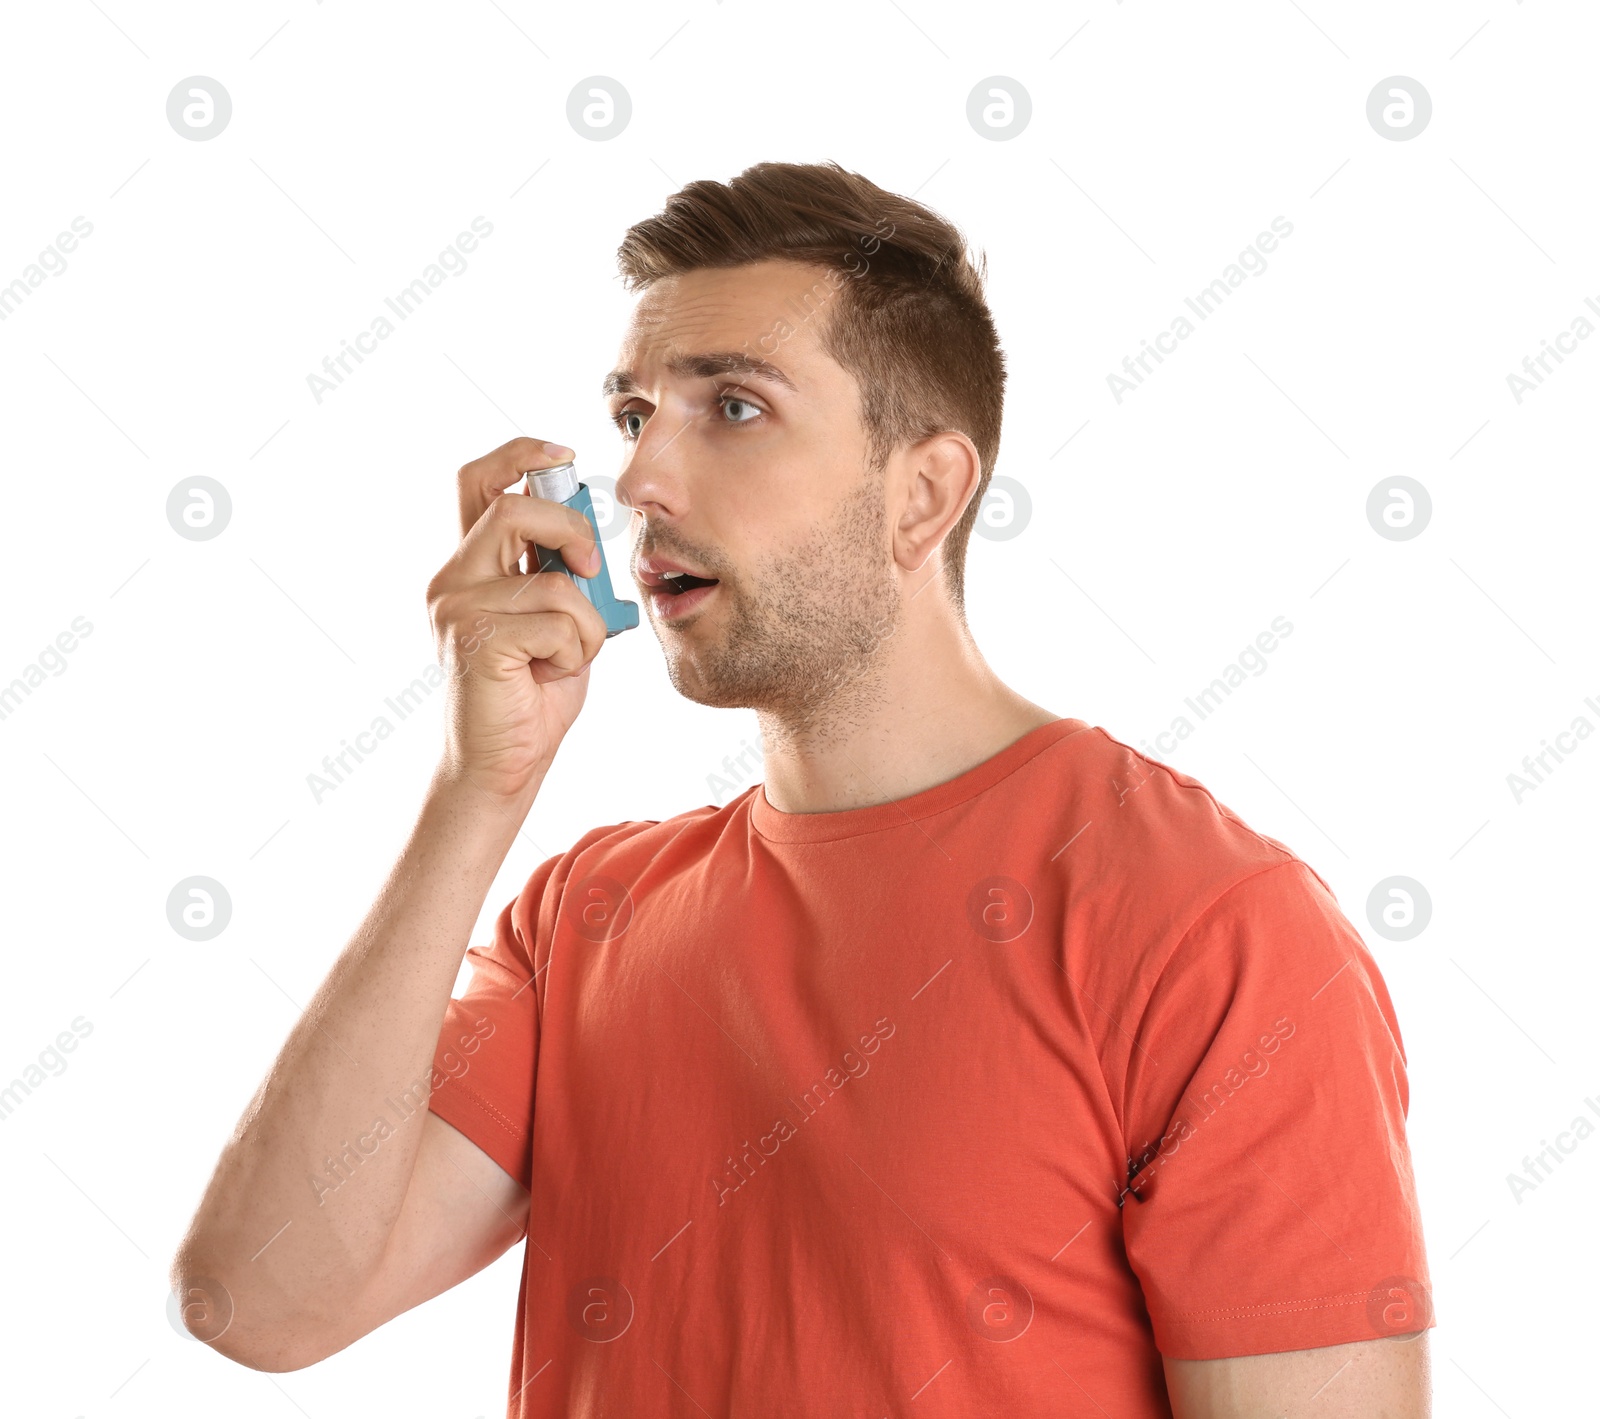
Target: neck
(924, 710)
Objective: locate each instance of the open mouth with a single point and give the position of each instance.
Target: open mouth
(677, 585)
(675, 597)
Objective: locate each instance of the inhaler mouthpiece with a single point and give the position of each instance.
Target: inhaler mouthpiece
(558, 483)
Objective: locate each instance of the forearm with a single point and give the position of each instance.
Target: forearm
(288, 1236)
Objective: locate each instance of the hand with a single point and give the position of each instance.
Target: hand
(515, 647)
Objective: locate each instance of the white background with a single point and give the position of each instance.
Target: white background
(1229, 489)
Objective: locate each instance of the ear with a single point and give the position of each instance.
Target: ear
(938, 476)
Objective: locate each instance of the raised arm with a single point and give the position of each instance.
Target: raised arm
(274, 1272)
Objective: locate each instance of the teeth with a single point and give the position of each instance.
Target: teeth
(677, 583)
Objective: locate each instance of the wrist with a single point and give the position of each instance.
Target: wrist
(465, 798)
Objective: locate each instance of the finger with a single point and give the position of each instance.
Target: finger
(514, 522)
(474, 616)
(546, 642)
(478, 483)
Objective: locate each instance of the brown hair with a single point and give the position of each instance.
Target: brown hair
(912, 325)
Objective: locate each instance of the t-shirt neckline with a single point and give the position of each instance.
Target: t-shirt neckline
(778, 826)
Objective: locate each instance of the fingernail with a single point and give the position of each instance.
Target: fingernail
(557, 450)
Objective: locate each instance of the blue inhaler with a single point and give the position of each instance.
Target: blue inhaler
(560, 484)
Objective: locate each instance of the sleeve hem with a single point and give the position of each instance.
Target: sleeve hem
(1309, 1324)
(484, 1125)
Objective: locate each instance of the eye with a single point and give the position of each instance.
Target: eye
(736, 408)
(628, 430)
(735, 403)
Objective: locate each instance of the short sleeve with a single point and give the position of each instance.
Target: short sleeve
(1270, 1202)
(483, 1066)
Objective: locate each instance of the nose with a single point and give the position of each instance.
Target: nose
(654, 482)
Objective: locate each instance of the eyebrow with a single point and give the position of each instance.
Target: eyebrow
(702, 366)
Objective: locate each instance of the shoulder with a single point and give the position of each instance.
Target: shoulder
(630, 850)
(1146, 819)
(1160, 860)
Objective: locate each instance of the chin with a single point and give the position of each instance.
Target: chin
(689, 683)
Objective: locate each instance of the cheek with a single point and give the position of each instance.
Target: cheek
(769, 498)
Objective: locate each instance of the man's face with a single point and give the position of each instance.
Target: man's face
(745, 453)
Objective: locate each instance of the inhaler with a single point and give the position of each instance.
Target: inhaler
(560, 484)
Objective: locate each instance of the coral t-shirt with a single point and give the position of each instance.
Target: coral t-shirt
(974, 1103)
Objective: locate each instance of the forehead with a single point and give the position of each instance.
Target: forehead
(732, 308)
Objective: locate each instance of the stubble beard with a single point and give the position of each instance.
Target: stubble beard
(803, 635)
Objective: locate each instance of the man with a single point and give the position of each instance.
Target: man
(972, 1064)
